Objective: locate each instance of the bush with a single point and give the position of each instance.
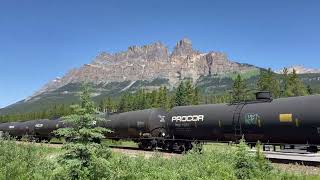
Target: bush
(24, 161)
(249, 165)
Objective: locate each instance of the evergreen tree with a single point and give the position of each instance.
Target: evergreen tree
(292, 84)
(195, 97)
(309, 90)
(268, 82)
(297, 86)
(110, 105)
(286, 85)
(163, 98)
(180, 97)
(239, 89)
(82, 157)
(154, 99)
(123, 104)
(189, 93)
(102, 106)
(148, 101)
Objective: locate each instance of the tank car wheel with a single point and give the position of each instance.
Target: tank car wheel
(140, 145)
(153, 145)
(143, 144)
(38, 140)
(182, 148)
(312, 149)
(188, 146)
(47, 140)
(167, 146)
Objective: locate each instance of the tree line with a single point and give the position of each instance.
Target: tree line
(55, 111)
(185, 94)
(288, 84)
(284, 85)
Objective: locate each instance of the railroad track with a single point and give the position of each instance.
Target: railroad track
(308, 159)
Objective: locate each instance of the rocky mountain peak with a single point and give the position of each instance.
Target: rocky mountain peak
(149, 62)
(102, 58)
(183, 48)
(151, 52)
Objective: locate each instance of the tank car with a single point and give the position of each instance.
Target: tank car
(294, 120)
(143, 126)
(34, 130)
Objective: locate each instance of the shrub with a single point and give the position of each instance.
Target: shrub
(24, 161)
(83, 158)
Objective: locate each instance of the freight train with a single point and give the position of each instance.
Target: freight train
(294, 120)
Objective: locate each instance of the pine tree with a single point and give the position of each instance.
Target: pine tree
(292, 84)
(310, 90)
(110, 105)
(195, 97)
(82, 156)
(102, 106)
(189, 93)
(268, 82)
(298, 88)
(180, 97)
(124, 104)
(154, 99)
(286, 85)
(239, 89)
(163, 98)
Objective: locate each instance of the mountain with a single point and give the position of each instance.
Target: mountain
(300, 70)
(147, 67)
(149, 62)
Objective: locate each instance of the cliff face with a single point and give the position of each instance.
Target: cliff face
(150, 62)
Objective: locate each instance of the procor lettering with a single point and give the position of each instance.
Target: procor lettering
(190, 118)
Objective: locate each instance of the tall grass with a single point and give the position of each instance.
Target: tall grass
(24, 161)
(218, 162)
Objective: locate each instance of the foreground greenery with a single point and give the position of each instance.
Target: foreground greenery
(83, 157)
(217, 162)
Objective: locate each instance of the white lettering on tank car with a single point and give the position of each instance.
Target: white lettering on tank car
(162, 118)
(38, 125)
(189, 118)
(11, 127)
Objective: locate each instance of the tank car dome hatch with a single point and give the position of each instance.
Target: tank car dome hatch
(264, 95)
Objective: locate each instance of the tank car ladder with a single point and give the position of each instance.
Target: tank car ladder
(237, 121)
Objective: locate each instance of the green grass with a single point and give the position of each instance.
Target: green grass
(25, 162)
(218, 161)
(123, 143)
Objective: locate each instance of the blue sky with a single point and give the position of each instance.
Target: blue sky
(42, 39)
